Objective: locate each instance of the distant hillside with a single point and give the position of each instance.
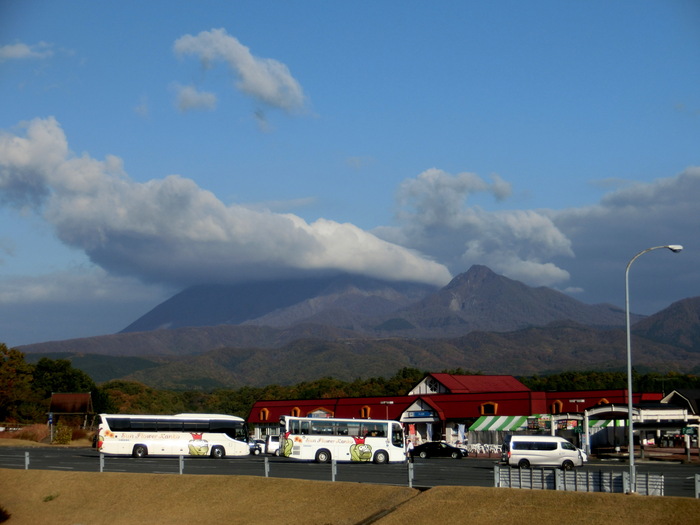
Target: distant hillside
(677, 325)
(476, 300)
(186, 341)
(344, 307)
(482, 300)
(280, 303)
(480, 322)
(531, 351)
(103, 368)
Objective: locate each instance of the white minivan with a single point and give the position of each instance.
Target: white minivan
(272, 445)
(541, 451)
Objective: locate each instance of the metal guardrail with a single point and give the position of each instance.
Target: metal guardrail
(579, 481)
(266, 467)
(535, 478)
(108, 463)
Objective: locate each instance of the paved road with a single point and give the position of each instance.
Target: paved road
(679, 480)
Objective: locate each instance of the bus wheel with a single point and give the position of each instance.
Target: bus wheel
(323, 456)
(140, 451)
(381, 456)
(523, 463)
(218, 452)
(567, 465)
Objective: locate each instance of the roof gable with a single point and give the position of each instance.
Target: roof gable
(689, 398)
(467, 384)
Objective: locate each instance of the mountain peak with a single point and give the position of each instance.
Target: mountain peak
(476, 276)
(480, 299)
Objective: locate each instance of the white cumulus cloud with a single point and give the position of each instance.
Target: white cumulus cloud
(265, 79)
(435, 218)
(190, 98)
(21, 51)
(171, 231)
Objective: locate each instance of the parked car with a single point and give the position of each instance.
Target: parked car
(256, 446)
(272, 445)
(438, 449)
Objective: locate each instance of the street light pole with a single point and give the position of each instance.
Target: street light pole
(386, 405)
(675, 248)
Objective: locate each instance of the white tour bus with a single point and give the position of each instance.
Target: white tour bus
(214, 435)
(325, 439)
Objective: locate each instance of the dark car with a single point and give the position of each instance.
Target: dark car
(438, 449)
(256, 446)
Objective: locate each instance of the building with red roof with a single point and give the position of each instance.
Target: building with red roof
(456, 407)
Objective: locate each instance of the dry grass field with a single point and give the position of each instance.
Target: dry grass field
(91, 498)
(35, 497)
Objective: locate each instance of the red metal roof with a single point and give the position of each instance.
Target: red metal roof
(347, 407)
(580, 400)
(71, 403)
(477, 383)
(447, 406)
(465, 400)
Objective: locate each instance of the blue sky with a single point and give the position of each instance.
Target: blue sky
(149, 146)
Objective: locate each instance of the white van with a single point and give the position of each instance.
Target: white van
(541, 451)
(272, 445)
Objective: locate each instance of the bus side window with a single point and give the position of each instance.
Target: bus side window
(119, 424)
(195, 425)
(304, 427)
(232, 429)
(169, 425)
(144, 425)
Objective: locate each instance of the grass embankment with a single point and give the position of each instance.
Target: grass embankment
(36, 496)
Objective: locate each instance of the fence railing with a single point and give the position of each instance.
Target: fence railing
(266, 466)
(535, 478)
(580, 481)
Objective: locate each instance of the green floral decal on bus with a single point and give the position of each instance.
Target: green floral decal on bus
(360, 451)
(198, 446)
(286, 445)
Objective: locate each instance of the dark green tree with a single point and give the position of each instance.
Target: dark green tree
(403, 381)
(51, 376)
(17, 399)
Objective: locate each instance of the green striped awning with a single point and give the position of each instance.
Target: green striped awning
(502, 423)
(600, 423)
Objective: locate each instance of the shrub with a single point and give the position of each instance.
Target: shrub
(62, 434)
(29, 433)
